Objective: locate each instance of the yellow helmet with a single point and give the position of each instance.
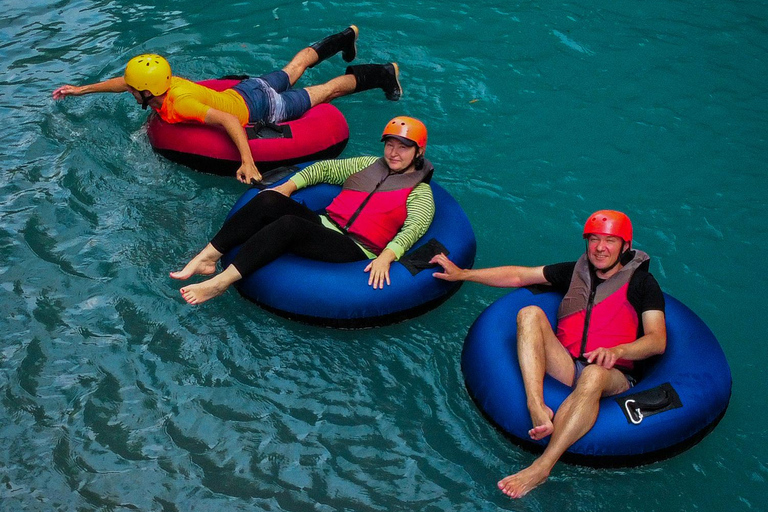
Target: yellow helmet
(148, 72)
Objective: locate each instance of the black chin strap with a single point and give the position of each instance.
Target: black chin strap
(145, 100)
(618, 260)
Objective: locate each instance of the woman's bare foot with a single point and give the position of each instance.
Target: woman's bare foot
(202, 264)
(201, 292)
(522, 482)
(541, 418)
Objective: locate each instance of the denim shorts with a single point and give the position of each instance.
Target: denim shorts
(580, 364)
(270, 98)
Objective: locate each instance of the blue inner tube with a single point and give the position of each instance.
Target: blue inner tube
(337, 294)
(693, 364)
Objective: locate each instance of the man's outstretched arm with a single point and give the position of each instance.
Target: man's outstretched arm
(116, 84)
(504, 277)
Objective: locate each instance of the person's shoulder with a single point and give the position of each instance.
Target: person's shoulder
(181, 86)
(646, 291)
(423, 193)
(565, 267)
(365, 160)
(559, 274)
(178, 82)
(645, 279)
(181, 80)
(357, 163)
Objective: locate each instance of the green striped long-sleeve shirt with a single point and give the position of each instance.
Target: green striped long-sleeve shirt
(420, 205)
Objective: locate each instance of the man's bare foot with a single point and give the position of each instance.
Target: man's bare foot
(542, 423)
(201, 292)
(522, 482)
(202, 264)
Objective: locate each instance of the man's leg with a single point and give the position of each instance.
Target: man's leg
(344, 42)
(293, 103)
(540, 352)
(357, 79)
(574, 418)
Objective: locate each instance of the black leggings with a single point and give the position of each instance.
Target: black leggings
(270, 225)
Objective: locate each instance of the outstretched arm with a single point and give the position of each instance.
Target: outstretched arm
(236, 132)
(653, 343)
(116, 84)
(506, 277)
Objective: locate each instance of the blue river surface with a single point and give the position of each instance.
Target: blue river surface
(116, 395)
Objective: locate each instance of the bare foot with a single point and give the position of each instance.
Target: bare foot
(522, 482)
(542, 423)
(202, 264)
(201, 292)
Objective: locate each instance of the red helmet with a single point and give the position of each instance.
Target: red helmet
(609, 222)
(406, 129)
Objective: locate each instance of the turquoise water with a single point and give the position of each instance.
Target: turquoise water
(116, 395)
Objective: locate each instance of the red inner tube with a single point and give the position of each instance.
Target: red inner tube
(321, 133)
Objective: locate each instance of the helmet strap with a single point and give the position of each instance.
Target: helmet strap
(620, 258)
(145, 99)
(418, 162)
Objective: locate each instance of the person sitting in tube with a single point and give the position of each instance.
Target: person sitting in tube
(269, 98)
(612, 315)
(384, 207)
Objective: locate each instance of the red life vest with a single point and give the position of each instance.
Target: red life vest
(588, 319)
(371, 206)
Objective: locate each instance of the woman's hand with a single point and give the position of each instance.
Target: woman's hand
(286, 188)
(379, 269)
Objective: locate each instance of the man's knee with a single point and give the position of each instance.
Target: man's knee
(595, 379)
(530, 314)
(532, 321)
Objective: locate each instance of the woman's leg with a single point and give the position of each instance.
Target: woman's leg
(263, 209)
(293, 234)
(267, 207)
(299, 236)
